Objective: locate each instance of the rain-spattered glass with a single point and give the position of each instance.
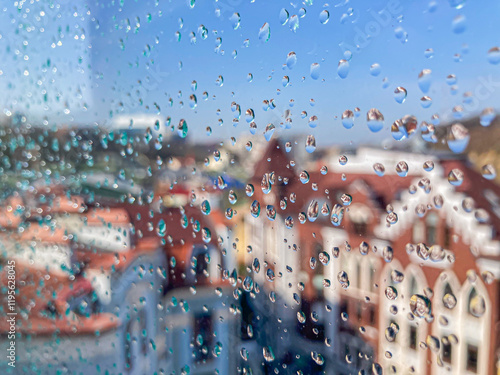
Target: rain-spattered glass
(249, 187)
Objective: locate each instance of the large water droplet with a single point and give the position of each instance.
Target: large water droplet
(291, 60)
(268, 133)
(182, 129)
(293, 23)
(400, 94)
(235, 20)
(337, 215)
(343, 69)
(348, 119)
(458, 138)
(283, 16)
(265, 33)
(420, 305)
(324, 16)
(255, 208)
(205, 207)
(375, 120)
(425, 80)
(310, 144)
(314, 70)
(313, 211)
(487, 116)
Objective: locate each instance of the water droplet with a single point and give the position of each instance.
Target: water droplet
(205, 207)
(494, 55)
(249, 190)
(310, 144)
(425, 101)
(458, 24)
(324, 16)
(271, 212)
(404, 128)
(375, 69)
(337, 215)
(255, 208)
(402, 169)
(487, 116)
(318, 358)
(488, 172)
(304, 177)
(343, 160)
(314, 70)
(397, 276)
(425, 80)
(388, 254)
(293, 23)
(206, 235)
(348, 119)
(249, 115)
(265, 33)
(268, 354)
(268, 133)
(420, 306)
(182, 129)
(283, 16)
(343, 279)
(291, 60)
(375, 120)
(235, 20)
(313, 211)
(391, 293)
(289, 222)
(343, 69)
(379, 169)
(270, 275)
(324, 258)
(429, 53)
(428, 166)
(458, 138)
(161, 228)
(449, 301)
(219, 81)
(400, 94)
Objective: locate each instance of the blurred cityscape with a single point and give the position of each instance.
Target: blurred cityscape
(138, 252)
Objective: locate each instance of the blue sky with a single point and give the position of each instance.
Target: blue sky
(104, 70)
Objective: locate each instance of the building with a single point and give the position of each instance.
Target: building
(393, 265)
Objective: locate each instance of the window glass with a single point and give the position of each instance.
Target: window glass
(249, 187)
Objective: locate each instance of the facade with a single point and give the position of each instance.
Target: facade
(396, 269)
(128, 289)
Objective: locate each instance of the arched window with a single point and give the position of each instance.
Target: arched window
(418, 232)
(413, 286)
(431, 228)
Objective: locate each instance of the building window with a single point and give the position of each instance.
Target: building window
(373, 315)
(344, 307)
(203, 337)
(472, 355)
(361, 229)
(372, 286)
(431, 230)
(413, 337)
(358, 275)
(413, 286)
(135, 340)
(446, 351)
(418, 232)
(447, 237)
(359, 311)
